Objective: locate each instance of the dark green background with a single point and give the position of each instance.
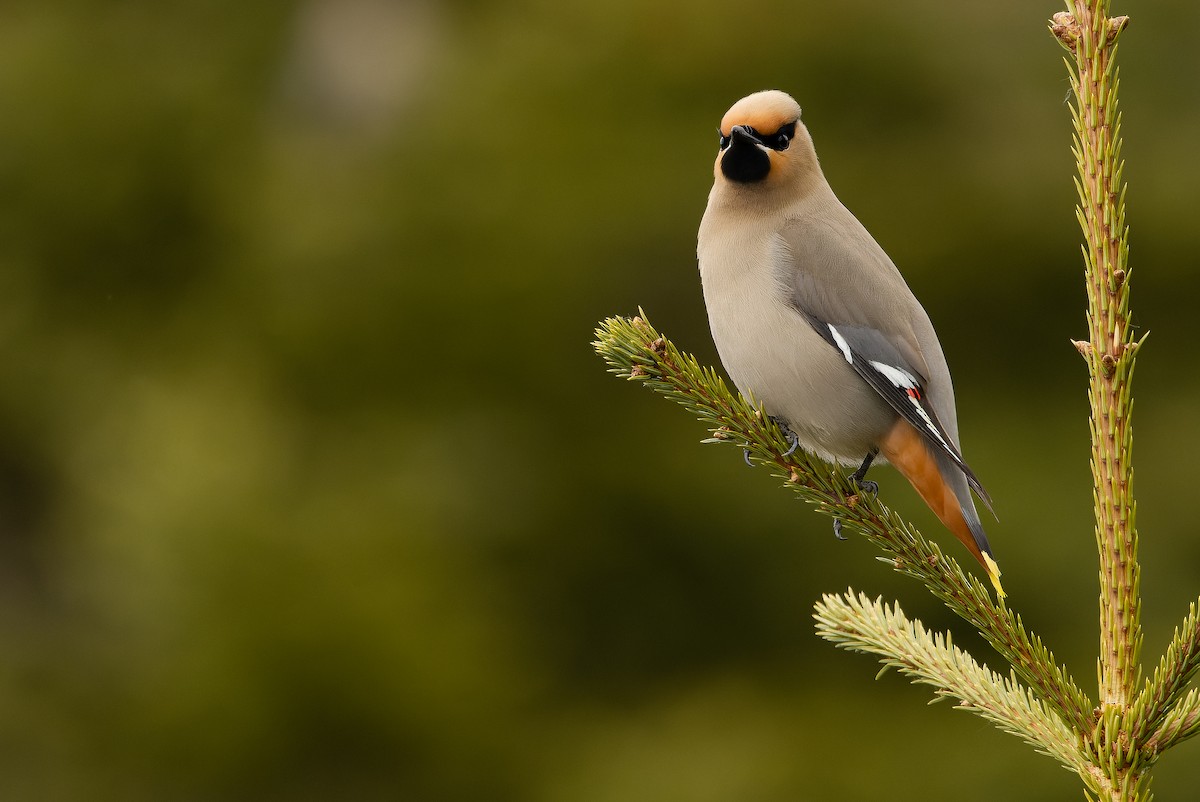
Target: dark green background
(312, 488)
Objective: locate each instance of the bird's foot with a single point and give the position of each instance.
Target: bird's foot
(746, 456)
(858, 478)
(793, 439)
(868, 486)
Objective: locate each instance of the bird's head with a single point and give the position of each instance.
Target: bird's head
(764, 143)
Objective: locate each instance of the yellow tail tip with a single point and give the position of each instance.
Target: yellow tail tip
(994, 575)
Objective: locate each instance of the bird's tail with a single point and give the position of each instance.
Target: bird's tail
(944, 489)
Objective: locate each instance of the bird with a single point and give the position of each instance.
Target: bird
(813, 320)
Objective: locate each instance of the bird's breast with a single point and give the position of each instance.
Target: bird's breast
(774, 355)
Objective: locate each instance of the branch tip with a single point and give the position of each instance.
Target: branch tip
(1115, 26)
(1066, 29)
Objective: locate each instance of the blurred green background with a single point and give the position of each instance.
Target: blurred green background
(311, 486)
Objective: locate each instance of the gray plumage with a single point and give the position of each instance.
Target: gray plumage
(809, 315)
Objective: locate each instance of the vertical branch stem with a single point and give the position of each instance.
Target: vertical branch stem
(1090, 35)
(1111, 352)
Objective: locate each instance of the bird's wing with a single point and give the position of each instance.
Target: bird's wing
(842, 285)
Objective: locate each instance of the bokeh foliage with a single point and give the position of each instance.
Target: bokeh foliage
(311, 486)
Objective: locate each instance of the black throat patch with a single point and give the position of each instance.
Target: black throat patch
(745, 162)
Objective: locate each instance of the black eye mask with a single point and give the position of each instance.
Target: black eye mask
(776, 141)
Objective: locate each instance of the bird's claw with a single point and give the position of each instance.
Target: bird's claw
(859, 480)
(868, 486)
(837, 529)
(746, 456)
(793, 439)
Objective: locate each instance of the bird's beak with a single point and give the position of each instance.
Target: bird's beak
(745, 135)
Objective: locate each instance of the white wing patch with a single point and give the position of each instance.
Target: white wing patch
(898, 377)
(842, 345)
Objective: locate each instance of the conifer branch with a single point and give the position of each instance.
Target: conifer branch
(1090, 36)
(1160, 698)
(1116, 748)
(1179, 724)
(856, 623)
(634, 350)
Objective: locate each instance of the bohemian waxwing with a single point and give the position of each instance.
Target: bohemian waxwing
(813, 320)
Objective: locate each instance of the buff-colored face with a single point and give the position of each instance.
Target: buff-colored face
(756, 139)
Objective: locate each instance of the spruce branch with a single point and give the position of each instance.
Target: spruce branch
(1179, 724)
(1116, 748)
(855, 622)
(1090, 37)
(634, 350)
(1162, 693)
